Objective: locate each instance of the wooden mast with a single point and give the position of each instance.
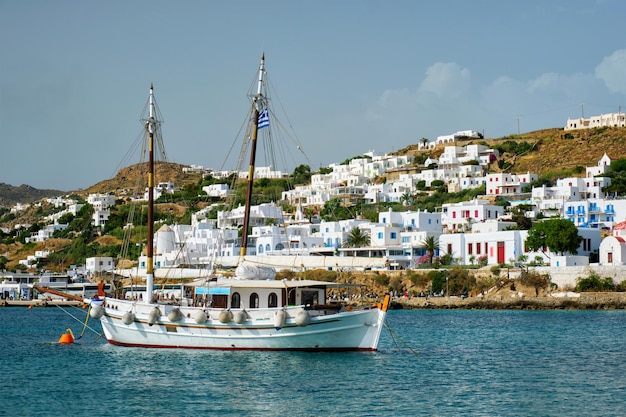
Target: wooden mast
(150, 126)
(257, 103)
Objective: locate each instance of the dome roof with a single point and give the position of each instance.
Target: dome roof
(620, 226)
(166, 228)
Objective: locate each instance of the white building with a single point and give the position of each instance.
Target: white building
(216, 190)
(506, 246)
(458, 155)
(335, 234)
(594, 212)
(613, 248)
(604, 120)
(461, 216)
(264, 172)
(503, 183)
(99, 264)
(102, 204)
(603, 166)
(287, 240)
(45, 233)
(412, 220)
(259, 215)
(581, 199)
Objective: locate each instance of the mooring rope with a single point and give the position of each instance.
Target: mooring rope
(80, 321)
(396, 338)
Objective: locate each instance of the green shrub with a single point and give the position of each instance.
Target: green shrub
(594, 282)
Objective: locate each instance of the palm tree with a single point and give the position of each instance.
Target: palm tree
(357, 238)
(424, 141)
(405, 199)
(431, 244)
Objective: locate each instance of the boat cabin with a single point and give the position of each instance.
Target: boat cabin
(259, 294)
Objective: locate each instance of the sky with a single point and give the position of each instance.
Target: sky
(352, 75)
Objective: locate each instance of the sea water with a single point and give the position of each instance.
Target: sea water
(429, 363)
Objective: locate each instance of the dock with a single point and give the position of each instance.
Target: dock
(41, 303)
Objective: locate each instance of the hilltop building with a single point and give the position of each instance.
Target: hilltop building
(604, 120)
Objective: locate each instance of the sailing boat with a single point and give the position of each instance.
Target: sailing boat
(233, 313)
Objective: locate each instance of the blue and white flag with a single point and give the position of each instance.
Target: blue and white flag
(264, 119)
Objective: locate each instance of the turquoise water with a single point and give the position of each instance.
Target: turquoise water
(469, 363)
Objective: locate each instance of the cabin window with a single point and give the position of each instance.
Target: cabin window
(291, 297)
(310, 297)
(272, 300)
(235, 300)
(254, 300)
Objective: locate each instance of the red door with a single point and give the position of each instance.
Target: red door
(500, 252)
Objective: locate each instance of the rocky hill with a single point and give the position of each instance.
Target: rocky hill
(134, 176)
(126, 180)
(10, 195)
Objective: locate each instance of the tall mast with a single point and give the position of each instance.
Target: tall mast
(257, 103)
(150, 127)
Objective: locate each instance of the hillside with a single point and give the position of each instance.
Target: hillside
(555, 153)
(133, 176)
(11, 195)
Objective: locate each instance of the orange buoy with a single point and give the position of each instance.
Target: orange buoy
(30, 307)
(67, 338)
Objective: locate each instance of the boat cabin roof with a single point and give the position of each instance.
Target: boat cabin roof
(251, 283)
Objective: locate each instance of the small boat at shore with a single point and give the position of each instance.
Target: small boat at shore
(258, 313)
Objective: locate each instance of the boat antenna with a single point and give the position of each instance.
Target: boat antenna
(150, 127)
(258, 102)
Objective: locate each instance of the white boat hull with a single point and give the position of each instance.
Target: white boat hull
(345, 330)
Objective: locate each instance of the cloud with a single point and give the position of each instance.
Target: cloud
(446, 80)
(611, 70)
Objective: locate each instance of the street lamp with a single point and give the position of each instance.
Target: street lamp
(447, 289)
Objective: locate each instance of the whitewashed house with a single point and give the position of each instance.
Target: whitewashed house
(503, 183)
(461, 216)
(506, 246)
(216, 190)
(335, 234)
(604, 120)
(45, 233)
(259, 215)
(286, 240)
(99, 264)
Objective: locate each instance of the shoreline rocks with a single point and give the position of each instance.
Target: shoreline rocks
(573, 301)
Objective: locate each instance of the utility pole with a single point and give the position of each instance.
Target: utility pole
(518, 117)
(582, 110)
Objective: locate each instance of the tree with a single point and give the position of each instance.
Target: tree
(302, 174)
(334, 211)
(357, 238)
(535, 280)
(558, 235)
(309, 213)
(431, 245)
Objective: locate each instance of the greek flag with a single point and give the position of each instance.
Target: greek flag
(264, 119)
